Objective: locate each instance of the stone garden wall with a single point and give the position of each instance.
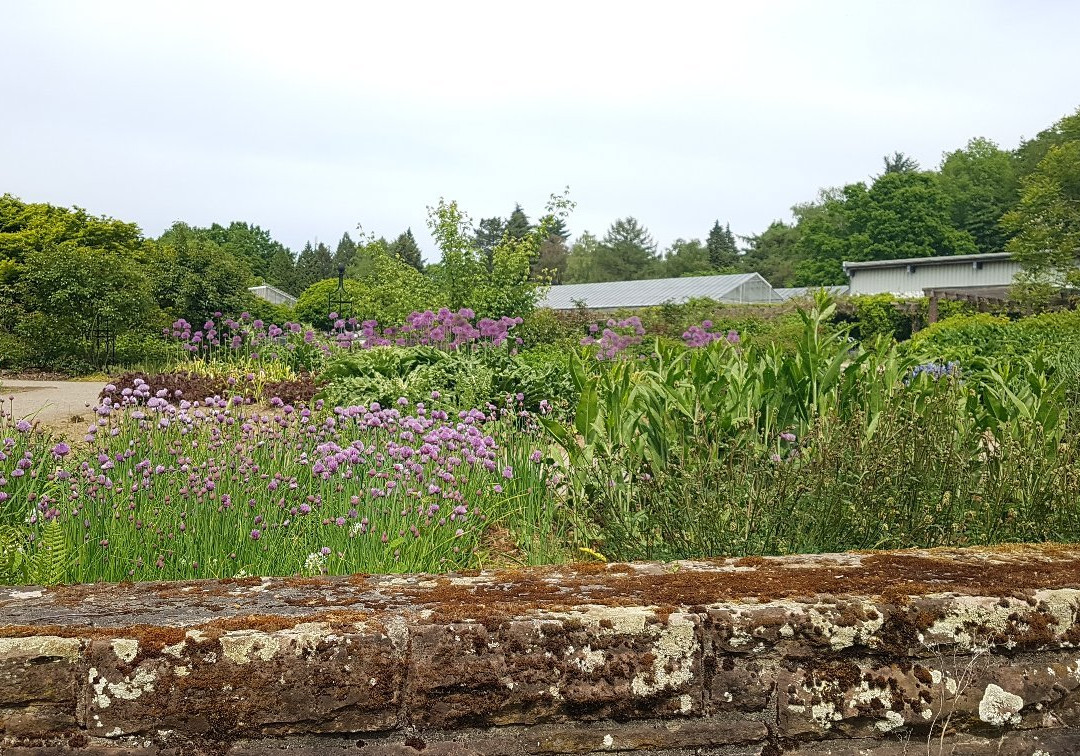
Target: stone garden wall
(920, 652)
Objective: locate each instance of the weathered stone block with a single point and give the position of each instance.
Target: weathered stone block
(604, 662)
(307, 678)
(979, 693)
(38, 684)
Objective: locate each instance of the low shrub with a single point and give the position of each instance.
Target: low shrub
(458, 379)
(995, 338)
(178, 386)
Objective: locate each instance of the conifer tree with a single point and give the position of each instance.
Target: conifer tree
(407, 249)
(345, 252)
(518, 226)
(723, 251)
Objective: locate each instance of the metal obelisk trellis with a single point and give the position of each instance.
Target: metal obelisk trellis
(102, 340)
(338, 301)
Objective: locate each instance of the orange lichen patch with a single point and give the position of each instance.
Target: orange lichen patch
(492, 597)
(874, 575)
(151, 636)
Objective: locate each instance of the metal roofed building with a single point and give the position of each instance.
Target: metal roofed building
(273, 294)
(742, 288)
(911, 276)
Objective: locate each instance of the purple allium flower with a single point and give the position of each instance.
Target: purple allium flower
(536, 455)
(325, 551)
(22, 426)
(787, 436)
(255, 535)
(61, 450)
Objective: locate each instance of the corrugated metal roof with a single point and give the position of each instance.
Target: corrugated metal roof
(939, 260)
(791, 292)
(615, 294)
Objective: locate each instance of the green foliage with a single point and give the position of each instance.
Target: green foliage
(902, 215)
(314, 264)
(517, 225)
(194, 277)
(500, 286)
(687, 258)
(406, 249)
(346, 251)
(461, 379)
(999, 340)
(281, 272)
(313, 308)
(551, 260)
(65, 287)
(898, 162)
(489, 231)
(251, 245)
(15, 353)
(774, 253)
(879, 315)
(35, 227)
(581, 261)
(733, 450)
(544, 326)
(1046, 222)
(626, 253)
(1032, 151)
(389, 290)
(981, 183)
(722, 250)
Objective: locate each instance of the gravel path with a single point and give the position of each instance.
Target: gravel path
(51, 402)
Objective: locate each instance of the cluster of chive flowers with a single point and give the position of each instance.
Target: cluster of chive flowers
(615, 338)
(158, 472)
(703, 335)
(243, 334)
(443, 329)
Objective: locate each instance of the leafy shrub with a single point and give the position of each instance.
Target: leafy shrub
(459, 379)
(546, 326)
(148, 351)
(312, 305)
(995, 338)
(15, 354)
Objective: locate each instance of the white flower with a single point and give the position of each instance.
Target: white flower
(314, 563)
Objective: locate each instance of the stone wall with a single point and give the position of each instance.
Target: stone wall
(919, 652)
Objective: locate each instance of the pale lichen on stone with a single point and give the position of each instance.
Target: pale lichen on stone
(673, 661)
(999, 707)
(126, 649)
(245, 646)
(40, 646)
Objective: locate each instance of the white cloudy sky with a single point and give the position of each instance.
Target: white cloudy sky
(309, 118)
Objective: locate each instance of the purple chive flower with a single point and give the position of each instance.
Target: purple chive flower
(255, 535)
(61, 450)
(789, 437)
(22, 426)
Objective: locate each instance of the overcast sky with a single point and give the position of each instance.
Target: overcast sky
(310, 118)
